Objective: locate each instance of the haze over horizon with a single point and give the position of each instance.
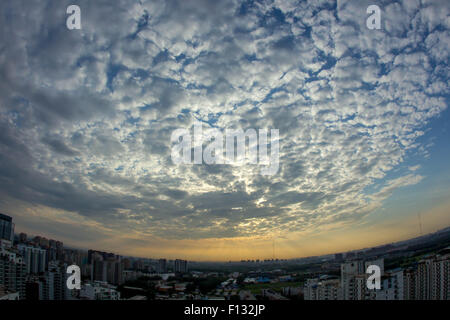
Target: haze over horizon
(68, 245)
(86, 118)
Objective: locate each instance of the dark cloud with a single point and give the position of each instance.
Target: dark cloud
(60, 147)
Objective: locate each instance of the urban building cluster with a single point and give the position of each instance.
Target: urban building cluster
(426, 280)
(36, 268)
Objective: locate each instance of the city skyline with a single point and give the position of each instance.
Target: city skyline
(361, 114)
(272, 258)
(42, 269)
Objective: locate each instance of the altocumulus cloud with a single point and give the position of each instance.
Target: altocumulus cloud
(86, 115)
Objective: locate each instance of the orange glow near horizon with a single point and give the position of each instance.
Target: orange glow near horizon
(329, 241)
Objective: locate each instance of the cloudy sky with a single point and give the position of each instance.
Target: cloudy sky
(86, 118)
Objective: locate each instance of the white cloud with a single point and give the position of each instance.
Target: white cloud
(87, 116)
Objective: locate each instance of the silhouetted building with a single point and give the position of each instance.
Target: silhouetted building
(23, 237)
(180, 266)
(35, 258)
(6, 227)
(126, 264)
(12, 271)
(162, 266)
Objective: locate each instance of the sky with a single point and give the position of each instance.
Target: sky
(86, 118)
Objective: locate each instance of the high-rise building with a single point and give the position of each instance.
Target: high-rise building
(138, 265)
(44, 242)
(48, 286)
(329, 290)
(440, 281)
(57, 276)
(423, 280)
(432, 278)
(105, 267)
(162, 266)
(59, 251)
(12, 271)
(180, 266)
(409, 284)
(392, 286)
(35, 258)
(348, 272)
(359, 283)
(37, 240)
(6, 227)
(99, 271)
(51, 255)
(354, 279)
(23, 237)
(52, 243)
(429, 279)
(114, 269)
(126, 264)
(310, 290)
